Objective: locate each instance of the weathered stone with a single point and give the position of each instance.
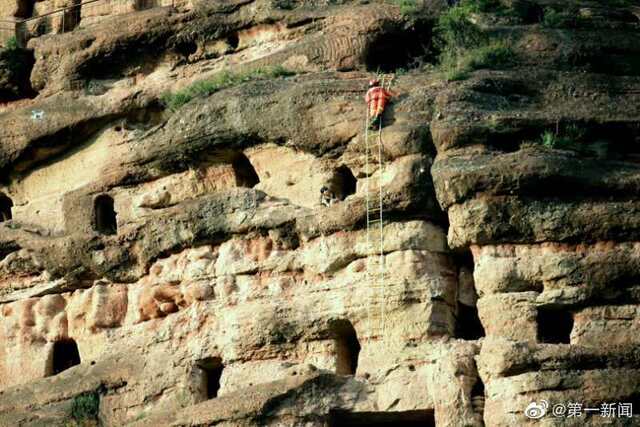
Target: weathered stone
(165, 253)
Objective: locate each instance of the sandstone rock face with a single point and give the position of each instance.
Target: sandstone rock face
(552, 231)
(171, 263)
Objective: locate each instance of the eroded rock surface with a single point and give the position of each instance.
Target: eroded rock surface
(174, 262)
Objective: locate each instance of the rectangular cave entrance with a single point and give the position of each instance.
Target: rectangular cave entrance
(104, 215)
(5, 208)
(554, 325)
(424, 418)
(347, 347)
(64, 355)
(468, 324)
(246, 175)
(210, 373)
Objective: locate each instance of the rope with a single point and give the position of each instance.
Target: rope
(368, 225)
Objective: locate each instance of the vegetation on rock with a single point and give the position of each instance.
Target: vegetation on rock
(15, 68)
(574, 138)
(15, 57)
(566, 137)
(464, 46)
(85, 407)
(191, 257)
(566, 18)
(225, 79)
(409, 7)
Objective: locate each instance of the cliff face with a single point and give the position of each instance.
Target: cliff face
(165, 259)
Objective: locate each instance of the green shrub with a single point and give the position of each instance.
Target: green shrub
(548, 139)
(222, 80)
(85, 407)
(409, 7)
(571, 137)
(555, 19)
(464, 46)
(569, 17)
(11, 44)
(455, 30)
(17, 60)
(516, 12)
(495, 55)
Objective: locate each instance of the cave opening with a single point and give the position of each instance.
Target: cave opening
(186, 48)
(233, 40)
(5, 208)
(468, 324)
(211, 369)
(347, 347)
(244, 171)
(105, 215)
(417, 418)
(343, 182)
(401, 48)
(554, 326)
(65, 355)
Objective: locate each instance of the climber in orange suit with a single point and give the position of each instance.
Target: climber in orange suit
(377, 98)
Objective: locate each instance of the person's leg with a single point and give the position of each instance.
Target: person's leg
(379, 114)
(371, 113)
(375, 122)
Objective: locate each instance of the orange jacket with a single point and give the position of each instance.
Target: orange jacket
(377, 98)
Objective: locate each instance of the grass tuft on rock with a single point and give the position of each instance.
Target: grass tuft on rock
(564, 138)
(574, 138)
(85, 407)
(225, 79)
